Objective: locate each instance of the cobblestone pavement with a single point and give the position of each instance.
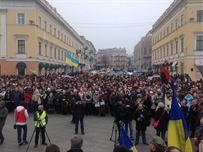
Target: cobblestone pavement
(59, 129)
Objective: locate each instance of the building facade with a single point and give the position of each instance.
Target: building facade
(113, 58)
(34, 35)
(130, 62)
(178, 39)
(142, 54)
(88, 55)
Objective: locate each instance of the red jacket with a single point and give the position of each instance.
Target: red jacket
(20, 116)
(27, 97)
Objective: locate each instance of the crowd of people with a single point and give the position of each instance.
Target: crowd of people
(125, 97)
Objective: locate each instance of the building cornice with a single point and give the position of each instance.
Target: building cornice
(166, 14)
(58, 17)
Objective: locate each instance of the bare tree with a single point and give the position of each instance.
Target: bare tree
(105, 60)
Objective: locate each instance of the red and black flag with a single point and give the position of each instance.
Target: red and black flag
(165, 77)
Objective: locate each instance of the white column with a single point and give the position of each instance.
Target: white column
(3, 32)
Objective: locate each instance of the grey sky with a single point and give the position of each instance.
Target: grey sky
(111, 23)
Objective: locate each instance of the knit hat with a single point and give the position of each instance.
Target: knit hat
(158, 143)
(160, 104)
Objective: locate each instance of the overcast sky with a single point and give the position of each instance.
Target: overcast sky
(111, 23)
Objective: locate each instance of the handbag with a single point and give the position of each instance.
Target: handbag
(14, 126)
(156, 122)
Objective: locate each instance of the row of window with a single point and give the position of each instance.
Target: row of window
(165, 52)
(53, 51)
(61, 36)
(170, 29)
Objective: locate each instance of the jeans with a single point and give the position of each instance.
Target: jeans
(81, 124)
(130, 126)
(1, 134)
(38, 130)
(138, 136)
(19, 129)
(27, 106)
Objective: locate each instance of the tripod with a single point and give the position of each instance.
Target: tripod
(114, 130)
(40, 135)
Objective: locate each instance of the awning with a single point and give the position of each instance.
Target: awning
(52, 66)
(174, 63)
(56, 66)
(47, 66)
(21, 65)
(199, 62)
(41, 65)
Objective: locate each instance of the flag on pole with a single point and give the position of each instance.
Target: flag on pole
(125, 140)
(178, 134)
(71, 61)
(165, 77)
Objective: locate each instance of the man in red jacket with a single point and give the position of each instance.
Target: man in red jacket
(21, 115)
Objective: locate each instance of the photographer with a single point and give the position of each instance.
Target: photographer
(41, 120)
(79, 112)
(130, 109)
(119, 112)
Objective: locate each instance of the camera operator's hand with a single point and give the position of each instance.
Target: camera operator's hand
(127, 106)
(39, 119)
(138, 119)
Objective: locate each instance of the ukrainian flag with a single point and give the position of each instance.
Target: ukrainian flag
(71, 61)
(125, 140)
(178, 134)
(164, 99)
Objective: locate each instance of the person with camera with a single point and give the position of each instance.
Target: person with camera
(88, 102)
(41, 120)
(79, 113)
(141, 117)
(130, 108)
(119, 112)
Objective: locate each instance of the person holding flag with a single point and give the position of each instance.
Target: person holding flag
(178, 134)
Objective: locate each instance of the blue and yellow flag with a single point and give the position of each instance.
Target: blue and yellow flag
(125, 140)
(178, 134)
(164, 99)
(71, 61)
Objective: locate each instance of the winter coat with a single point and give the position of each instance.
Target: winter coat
(79, 110)
(16, 97)
(88, 97)
(3, 113)
(27, 97)
(7, 96)
(50, 100)
(144, 117)
(129, 110)
(36, 98)
(163, 123)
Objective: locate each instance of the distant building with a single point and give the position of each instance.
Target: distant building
(178, 39)
(114, 58)
(130, 62)
(142, 54)
(88, 55)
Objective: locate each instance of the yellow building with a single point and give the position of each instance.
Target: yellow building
(177, 39)
(34, 35)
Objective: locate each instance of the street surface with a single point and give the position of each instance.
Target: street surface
(59, 129)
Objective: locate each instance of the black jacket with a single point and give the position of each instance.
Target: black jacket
(141, 125)
(129, 110)
(79, 110)
(163, 123)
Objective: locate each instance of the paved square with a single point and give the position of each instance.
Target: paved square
(59, 129)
